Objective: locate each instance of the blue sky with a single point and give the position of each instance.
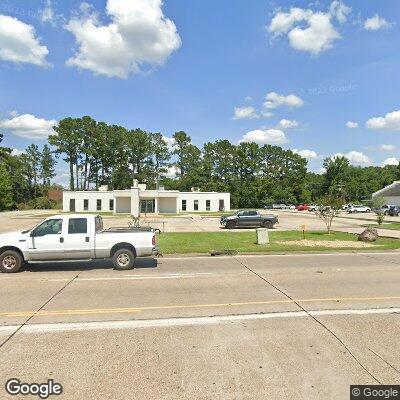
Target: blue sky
(325, 63)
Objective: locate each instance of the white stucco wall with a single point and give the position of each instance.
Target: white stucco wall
(202, 197)
(79, 197)
(167, 205)
(127, 201)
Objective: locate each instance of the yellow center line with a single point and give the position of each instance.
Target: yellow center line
(43, 313)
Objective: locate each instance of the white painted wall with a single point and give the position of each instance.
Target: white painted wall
(167, 205)
(127, 201)
(214, 198)
(79, 197)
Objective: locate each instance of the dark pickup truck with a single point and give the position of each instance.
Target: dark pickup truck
(245, 218)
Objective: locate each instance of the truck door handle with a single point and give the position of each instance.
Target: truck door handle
(87, 239)
(61, 240)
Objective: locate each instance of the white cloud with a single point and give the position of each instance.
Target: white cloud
(29, 126)
(265, 136)
(172, 172)
(355, 157)
(170, 142)
(138, 36)
(267, 114)
(375, 23)
(390, 161)
(16, 152)
(274, 100)
(19, 43)
(390, 122)
(307, 30)
(387, 147)
(287, 123)
(245, 113)
(308, 154)
(47, 14)
(352, 124)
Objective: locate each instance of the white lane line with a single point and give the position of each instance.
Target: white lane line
(191, 321)
(139, 277)
(310, 254)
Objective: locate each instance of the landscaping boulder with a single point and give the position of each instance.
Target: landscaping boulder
(369, 235)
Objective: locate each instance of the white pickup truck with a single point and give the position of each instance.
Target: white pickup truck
(75, 238)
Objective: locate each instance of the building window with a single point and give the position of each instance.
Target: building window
(77, 225)
(196, 205)
(208, 205)
(98, 204)
(183, 205)
(85, 205)
(111, 204)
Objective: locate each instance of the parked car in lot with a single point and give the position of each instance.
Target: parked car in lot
(75, 238)
(248, 218)
(358, 209)
(384, 209)
(394, 211)
(345, 207)
(302, 207)
(313, 208)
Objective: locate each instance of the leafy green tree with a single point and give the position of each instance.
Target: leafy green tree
(6, 194)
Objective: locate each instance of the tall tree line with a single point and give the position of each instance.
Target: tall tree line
(101, 154)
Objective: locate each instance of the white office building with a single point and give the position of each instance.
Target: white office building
(138, 200)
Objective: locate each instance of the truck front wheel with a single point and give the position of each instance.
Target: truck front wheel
(123, 259)
(10, 261)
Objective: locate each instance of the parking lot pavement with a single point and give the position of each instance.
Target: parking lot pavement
(295, 327)
(288, 220)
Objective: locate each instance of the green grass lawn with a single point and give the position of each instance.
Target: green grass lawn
(393, 225)
(245, 242)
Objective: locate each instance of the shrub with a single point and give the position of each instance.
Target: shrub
(43, 203)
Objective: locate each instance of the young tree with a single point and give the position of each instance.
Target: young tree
(47, 164)
(377, 206)
(6, 190)
(329, 210)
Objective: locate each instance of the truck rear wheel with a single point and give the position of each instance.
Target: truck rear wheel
(10, 261)
(123, 259)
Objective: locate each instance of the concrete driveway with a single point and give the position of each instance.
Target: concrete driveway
(258, 327)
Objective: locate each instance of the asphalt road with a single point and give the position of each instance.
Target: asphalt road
(254, 327)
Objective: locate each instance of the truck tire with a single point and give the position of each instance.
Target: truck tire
(10, 261)
(123, 259)
(230, 225)
(268, 224)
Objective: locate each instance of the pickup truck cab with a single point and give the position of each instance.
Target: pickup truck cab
(75, 238)
(248, 218)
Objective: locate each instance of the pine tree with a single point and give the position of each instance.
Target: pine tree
(47, 164)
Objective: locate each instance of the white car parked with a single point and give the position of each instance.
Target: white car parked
(358, 209)
(75, 238)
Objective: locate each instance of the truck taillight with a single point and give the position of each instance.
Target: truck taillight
(153, 241)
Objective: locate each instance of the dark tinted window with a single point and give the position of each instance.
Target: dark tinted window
(49, 227)
(98, 205)
(208, 204)
(196, 205)
(252, 213)
(77, 225)
(183, 205)
(86, 205)
(111, 204)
